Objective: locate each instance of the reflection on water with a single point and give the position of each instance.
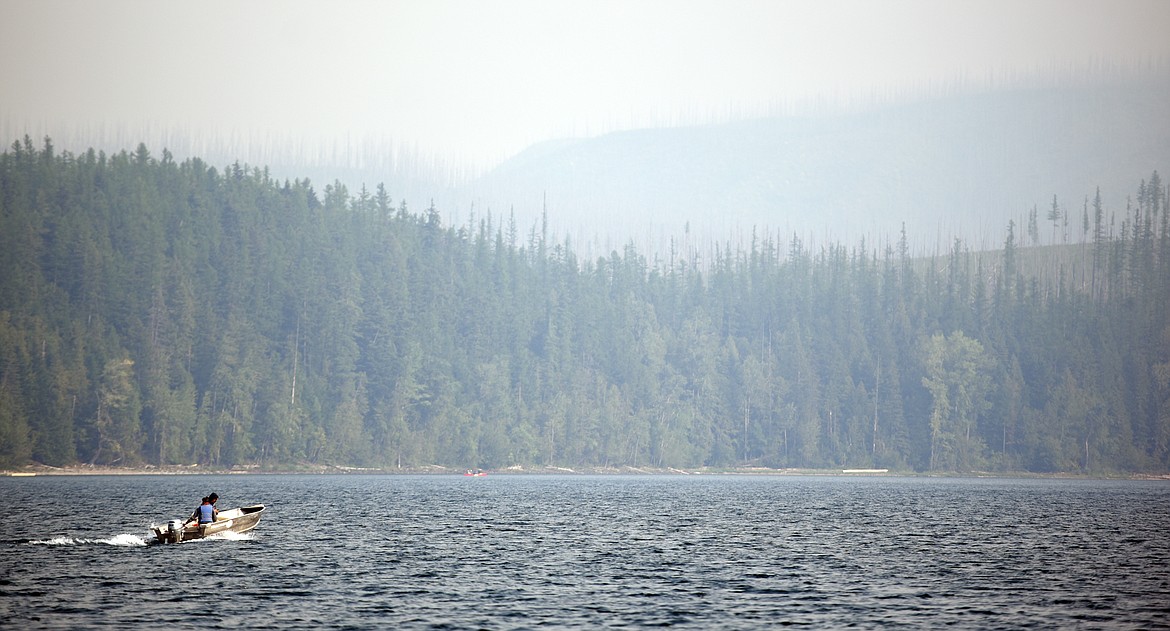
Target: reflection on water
(526, 551)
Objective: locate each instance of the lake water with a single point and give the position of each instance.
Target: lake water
(515, 552)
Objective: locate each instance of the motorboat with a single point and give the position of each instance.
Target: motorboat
(237, 520)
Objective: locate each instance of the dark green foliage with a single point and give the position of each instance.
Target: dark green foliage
(166, 313)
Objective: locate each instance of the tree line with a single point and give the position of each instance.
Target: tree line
(163, 312)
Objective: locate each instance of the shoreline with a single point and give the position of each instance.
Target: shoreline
(182, 470)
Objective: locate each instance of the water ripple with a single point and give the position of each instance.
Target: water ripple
(526, 552)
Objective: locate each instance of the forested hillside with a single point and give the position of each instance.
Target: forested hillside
(158, 312)
(962, 164)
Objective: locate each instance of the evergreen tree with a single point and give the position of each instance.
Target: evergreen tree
(162, 312)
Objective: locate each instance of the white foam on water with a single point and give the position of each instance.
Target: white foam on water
(226, 535)
(125, 540)
(58, 541)
(232, 536)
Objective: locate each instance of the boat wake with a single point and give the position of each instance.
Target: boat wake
(124, 540)
(228, 535)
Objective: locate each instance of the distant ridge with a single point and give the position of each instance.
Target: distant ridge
(959, 166)
(956, 161)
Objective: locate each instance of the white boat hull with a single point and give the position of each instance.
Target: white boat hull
(238, 520)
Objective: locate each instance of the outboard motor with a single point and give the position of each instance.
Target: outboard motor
(175, 530)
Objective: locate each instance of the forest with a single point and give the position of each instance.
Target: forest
(157, 312)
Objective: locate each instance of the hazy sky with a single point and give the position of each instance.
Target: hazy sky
(480, 80)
